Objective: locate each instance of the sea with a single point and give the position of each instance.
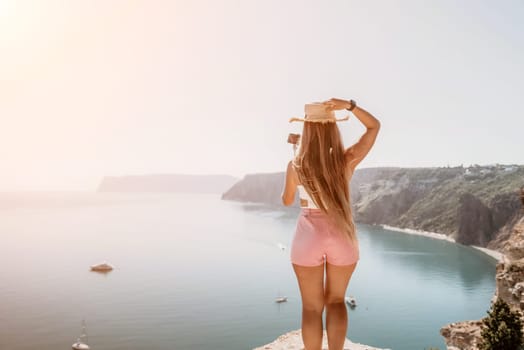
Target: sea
(193, 271)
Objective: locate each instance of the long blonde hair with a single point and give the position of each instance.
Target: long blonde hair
(321, 168)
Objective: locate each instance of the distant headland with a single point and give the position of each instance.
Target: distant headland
(181, 183)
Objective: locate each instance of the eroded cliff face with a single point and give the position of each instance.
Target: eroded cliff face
(466, 335)
(475, 221)
(475, 205)
(463, 335)
(510, 273)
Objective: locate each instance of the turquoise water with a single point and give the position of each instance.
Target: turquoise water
(196, 272)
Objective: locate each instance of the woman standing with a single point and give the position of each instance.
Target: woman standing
(325, 231)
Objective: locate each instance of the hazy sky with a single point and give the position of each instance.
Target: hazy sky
(94, 88)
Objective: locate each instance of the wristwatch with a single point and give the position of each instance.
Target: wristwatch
(353, 105)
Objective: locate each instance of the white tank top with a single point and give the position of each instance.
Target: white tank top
(305, 198)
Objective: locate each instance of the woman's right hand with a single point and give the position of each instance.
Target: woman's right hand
(336, 104)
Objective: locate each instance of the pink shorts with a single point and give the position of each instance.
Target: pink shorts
(315, 239)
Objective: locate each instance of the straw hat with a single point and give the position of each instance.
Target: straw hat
(319, 113)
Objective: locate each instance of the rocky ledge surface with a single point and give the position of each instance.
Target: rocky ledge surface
(293, 341)
(462, 335)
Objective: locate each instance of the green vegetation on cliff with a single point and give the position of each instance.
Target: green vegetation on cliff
(468, 203)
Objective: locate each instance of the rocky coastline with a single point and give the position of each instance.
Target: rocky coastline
(478, 206)
(491, 252)
(466, 335)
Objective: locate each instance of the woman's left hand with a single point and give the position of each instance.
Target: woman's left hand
(336, 104)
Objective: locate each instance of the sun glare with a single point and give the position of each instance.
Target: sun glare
(7, 9)
(17, 19)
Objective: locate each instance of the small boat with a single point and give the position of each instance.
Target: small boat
(281, 246)
(102, 267)
(351, 301)
(80, 344)
(281, 299)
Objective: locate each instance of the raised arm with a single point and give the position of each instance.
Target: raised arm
(355, 153)
(360, 149)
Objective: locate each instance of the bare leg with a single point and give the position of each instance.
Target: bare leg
(337, 280)
(311, 283)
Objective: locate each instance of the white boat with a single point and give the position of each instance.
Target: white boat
(80, 343)
(351, 301)
(281, 246)
(80, 346)
(281, 299)
(104, 266)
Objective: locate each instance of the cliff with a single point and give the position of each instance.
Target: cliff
(474, 205)
(465, 335)
(293, 341)
(167, 183)
(262, 188)
(477, 205)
